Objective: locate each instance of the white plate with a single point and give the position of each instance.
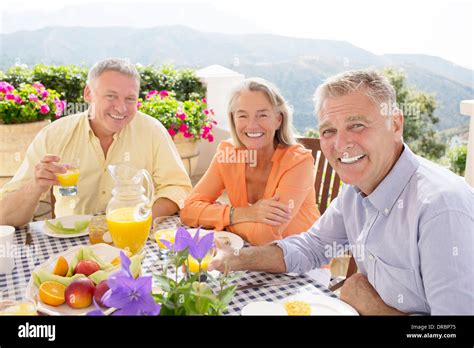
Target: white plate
(263, 308)
(104, 251)
(323, 305)
(68, 222)
(235, 241)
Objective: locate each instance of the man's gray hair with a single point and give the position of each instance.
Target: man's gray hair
(372, 83)
(122, 66)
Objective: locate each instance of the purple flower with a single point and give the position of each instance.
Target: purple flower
(44, 108)
(130, 296)
(200, 247)
(97, 311)
(182, 240)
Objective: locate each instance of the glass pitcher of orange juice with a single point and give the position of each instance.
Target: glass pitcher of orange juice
(129, 210)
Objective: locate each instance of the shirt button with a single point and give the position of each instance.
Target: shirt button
(371, 257)
(386, 210)
(103, 192)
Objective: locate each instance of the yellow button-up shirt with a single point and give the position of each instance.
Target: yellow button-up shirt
(144, 144)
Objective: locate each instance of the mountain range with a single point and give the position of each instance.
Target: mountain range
(297, 66)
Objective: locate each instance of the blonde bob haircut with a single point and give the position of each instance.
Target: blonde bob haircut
(283, 135)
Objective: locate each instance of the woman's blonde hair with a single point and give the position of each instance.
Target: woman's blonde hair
(283, 135)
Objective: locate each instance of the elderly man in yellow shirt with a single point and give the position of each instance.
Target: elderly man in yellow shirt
(110, 131)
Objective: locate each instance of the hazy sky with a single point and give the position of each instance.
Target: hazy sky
(436, 27)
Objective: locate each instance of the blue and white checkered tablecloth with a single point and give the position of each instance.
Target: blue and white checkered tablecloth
(42, 247)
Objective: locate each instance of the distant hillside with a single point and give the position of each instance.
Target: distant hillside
(297, 66)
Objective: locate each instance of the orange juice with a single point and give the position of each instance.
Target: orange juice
(126, 230)
(24, 307)
(168, 234)
(194, 265)
(69, 178)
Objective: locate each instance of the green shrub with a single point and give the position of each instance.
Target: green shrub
(457, 158)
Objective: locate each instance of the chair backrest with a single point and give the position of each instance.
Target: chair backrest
(327, 181)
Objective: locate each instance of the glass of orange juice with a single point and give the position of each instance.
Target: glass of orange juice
(68, 180)
(164, 227)
(23, 307)
(194, 264)
(128, 230)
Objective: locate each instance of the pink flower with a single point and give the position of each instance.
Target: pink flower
(44, 109)
(164, 94)
(150, 94)
(10, 96)
(181, 115)
(206, 112)
(172, 131)
(187, 134)
(211, 110)
(206, 129)
(33, 97)
(204, 100)
(214, 121)
(5, 87)
(38, 85)
(44, 94)
(183, 127)
(18, 99)
(139, 104)
(210, 138)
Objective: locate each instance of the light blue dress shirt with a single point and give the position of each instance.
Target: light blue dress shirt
(412, 237)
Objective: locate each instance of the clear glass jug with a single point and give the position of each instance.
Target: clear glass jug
(129, 211)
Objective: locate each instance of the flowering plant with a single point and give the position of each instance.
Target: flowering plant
(28, 103)
(187, 293)
(192, 118)
(192, 295)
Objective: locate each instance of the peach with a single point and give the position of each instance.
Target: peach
(100, 290)
(86, 267)
(79, 293)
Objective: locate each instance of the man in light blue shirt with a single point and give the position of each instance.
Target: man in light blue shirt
(408, 222)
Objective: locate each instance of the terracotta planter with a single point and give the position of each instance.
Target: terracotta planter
(14, 141)
(188, 151)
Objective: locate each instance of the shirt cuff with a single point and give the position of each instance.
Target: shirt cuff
(175, 194)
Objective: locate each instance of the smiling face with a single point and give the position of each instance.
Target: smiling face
(357, 140)
(113, 99)
(256, 120)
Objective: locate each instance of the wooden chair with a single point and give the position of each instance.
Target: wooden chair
(326, 185)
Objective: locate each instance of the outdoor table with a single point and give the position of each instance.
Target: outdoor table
(33, 247)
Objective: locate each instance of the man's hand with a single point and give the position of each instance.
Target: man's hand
(45, 173)
(224, 255)
(360, 294)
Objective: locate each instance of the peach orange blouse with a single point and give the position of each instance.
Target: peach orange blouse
(292, 177)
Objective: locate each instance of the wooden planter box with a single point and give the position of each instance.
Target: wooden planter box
(14, 141)
(188, 151)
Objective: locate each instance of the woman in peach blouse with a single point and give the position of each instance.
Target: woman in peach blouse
(268, 177)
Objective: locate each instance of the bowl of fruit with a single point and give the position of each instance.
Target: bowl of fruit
(67, 283)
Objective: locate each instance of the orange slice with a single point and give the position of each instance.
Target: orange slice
(61, 267)
(52, 293)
